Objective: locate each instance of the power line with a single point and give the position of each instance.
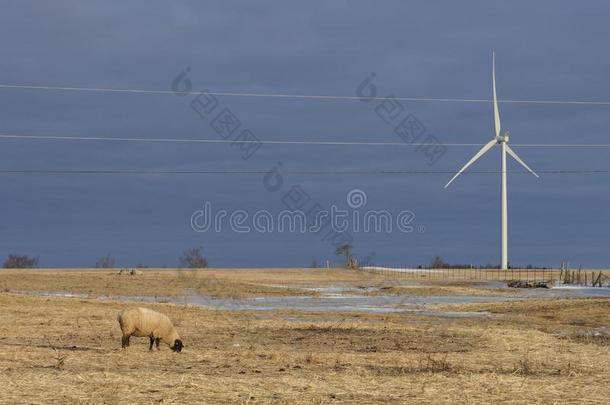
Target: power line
(300, 96)
(278, 142)
(263, 172)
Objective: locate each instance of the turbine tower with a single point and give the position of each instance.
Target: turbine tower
(502, 140)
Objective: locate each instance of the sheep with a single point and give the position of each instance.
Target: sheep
(142, 322)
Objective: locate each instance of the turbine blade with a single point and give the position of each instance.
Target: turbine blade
(518, 159)
(496, 110)
(480, 153)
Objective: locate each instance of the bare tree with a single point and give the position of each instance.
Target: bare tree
(438, 263)
(193, 258)
(346, 250)
(106, 262)
(20, 262)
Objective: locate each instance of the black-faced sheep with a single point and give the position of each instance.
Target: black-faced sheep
(142, 322)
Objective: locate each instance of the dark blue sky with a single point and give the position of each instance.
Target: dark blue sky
(545, 50)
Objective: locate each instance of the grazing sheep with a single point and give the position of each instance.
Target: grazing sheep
(142, 322)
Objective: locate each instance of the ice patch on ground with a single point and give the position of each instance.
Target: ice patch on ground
(343, 299)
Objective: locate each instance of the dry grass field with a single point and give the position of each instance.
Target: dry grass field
(173, 282)
(233, 283)
(67, 350)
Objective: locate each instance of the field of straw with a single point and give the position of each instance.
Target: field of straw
(67, 350)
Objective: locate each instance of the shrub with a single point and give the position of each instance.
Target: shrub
(20, 262)
(193, 258)
(106, 262)
(346, 250)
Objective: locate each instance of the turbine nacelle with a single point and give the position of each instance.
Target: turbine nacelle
(502, 138)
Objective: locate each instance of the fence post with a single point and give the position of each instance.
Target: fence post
(598, 281)
(586, 279)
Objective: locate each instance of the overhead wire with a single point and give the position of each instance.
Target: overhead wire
(283, 142)
(297, 96)
(296, 172)
(280, 142)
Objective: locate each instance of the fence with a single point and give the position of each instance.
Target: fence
(551, 276)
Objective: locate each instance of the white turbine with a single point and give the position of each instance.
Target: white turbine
(502, 140)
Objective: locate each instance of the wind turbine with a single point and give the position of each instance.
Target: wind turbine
(502, 140)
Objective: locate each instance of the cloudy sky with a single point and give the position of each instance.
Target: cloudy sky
(545, 50)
